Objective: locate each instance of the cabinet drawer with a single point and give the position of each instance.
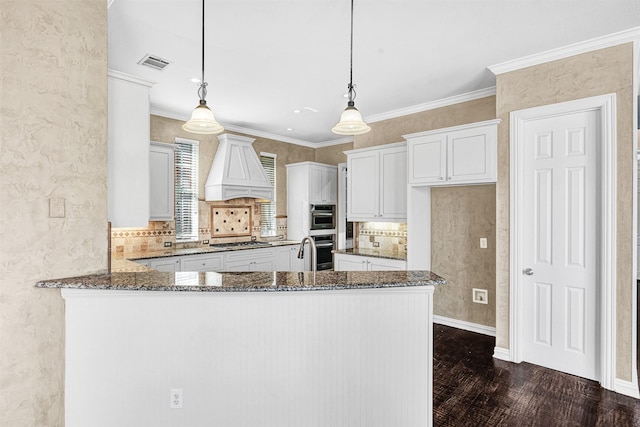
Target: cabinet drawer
(202, 263)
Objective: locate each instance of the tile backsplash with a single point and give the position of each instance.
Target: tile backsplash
(157, 233)
(385, 236)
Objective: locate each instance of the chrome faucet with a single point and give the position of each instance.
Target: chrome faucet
(313, 251)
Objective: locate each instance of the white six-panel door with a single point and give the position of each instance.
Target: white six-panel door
(560, 286)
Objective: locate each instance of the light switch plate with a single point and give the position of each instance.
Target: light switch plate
(483, 243)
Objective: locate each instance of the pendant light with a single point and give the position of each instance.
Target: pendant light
(351, 122)
(202, 120)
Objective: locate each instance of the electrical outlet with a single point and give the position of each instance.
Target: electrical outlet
(480, 296)
(205, 242)
(376, 244)
(176, 398)
(483, 243)
(167, 244)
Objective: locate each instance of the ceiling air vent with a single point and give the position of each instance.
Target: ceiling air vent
(154, 62)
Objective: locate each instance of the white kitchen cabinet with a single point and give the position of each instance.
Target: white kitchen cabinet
(286, 258)
(128, 150)
(250, 260)
(345, 262)
(204, 262)
(308, 183)
(168, 264)
(161, 185)
(323, 184)
(453, 156)
(377, 183)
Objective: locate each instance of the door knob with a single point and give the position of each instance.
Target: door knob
(528, 272)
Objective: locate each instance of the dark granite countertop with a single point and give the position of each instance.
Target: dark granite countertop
(376, 253)
(246, 282)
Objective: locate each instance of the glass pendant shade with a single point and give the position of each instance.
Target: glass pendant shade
(351, 122)
(202, 121)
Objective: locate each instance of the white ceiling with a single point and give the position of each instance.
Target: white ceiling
(267, 58)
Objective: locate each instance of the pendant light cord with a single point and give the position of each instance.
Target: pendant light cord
(351, 97)
(203, 85)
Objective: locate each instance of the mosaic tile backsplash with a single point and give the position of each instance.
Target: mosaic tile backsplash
(388, 236)
(154, 237)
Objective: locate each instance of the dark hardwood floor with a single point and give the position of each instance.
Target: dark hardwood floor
(471, 388)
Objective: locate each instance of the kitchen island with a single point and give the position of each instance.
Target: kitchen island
(249, 349)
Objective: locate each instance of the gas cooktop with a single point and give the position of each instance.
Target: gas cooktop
(240, 244)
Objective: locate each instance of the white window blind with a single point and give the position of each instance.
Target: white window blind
(186, 189)
(268, 211)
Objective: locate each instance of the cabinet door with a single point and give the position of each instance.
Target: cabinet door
(283, 258)
(161, 187)
(315, 184)
(262, 264)
(212, 262)
(471, 155)
(349, 262)
(393, 184)
(362, 186)
(322, 184)
(169, 264)
(128, 151)
(427, 159)
(382, 264)
(330, 185)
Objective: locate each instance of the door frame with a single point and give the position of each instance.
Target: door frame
(605, 108)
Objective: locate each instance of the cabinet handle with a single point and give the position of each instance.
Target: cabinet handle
(448, 178)
(441, 178)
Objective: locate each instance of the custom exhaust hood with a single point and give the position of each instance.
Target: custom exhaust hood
(236, 171)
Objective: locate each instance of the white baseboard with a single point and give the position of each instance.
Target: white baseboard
(628, 388)
(502, 353)
(467, 326)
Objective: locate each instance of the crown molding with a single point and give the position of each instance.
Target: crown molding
(626, 36)
(431, 105)
(258, 133)
(457, 99)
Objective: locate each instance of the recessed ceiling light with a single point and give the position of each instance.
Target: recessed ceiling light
(296, 111)
(195, 80)
(289, 129)
(345, 95)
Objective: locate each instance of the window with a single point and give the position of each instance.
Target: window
(186, 189)
(268, 211)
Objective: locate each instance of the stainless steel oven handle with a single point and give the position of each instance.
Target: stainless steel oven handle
(324, 245)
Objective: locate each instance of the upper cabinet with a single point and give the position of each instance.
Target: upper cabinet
(453, 156)
(128, 151)
(308, 183)
(377, 183)
(161, 186)
(323, 180)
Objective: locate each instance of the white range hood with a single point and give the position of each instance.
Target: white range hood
(236, 171)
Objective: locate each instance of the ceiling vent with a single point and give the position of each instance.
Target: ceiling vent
(154, 62)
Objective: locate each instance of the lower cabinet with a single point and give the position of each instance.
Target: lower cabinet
(250, 260)
(208, 262)
(168, 264)
(343, 262)
(286, 258)
(278, 258)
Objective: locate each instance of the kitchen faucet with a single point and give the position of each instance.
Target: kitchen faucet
(313, 251)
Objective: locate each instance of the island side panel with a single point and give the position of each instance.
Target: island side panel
(313, 358)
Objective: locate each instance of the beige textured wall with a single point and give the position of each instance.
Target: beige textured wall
(460, 216)
(53, 144)
(333, 155)
(389, 131)
(594, 73)
(166, 130)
